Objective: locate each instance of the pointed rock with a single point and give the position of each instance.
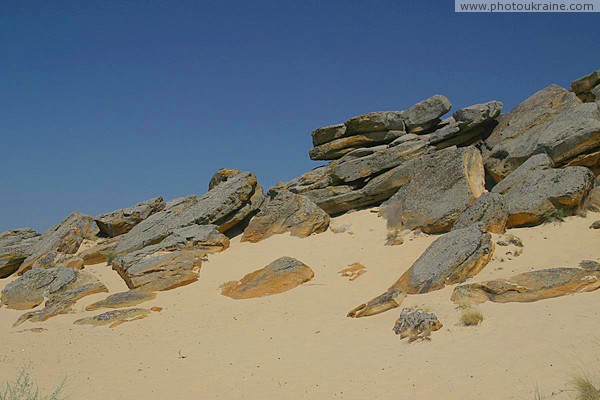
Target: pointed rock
(122, 221)
(15, 247)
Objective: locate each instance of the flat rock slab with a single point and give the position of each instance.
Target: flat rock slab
(531, 286)
(339, 147)
(116, 317)
(426, 114)
(15, 247)
(122, 221)
(375, 122)
(283, 212)
(280, 276)
(382, 303)
(415, 324)
(490, 210)
(65, 237)
(129, 298)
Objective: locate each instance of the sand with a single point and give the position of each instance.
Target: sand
(300, 344)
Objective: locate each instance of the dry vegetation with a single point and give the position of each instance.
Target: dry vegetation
(24, 388)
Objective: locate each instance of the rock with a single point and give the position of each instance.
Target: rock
(426, 114)
(489, 209)
(122, 221)
(416, 324)
(594, 196)
(476, 115)
(583, 86)
(102, 252)
(339, 147)
(440, 187)
(452, 258)
(595, 225)
(54, 259)
(382, 303)
(221, 176)
(318, 178)
(115, 318)
(530, 286)
(225, 206)
(328, 133)
(589, 265)
(15, 247)
(506, 240)
(353, 271)
(283, 212)
(280, 276)
(516, 137)
(538, 193)
(376, 122)
(159, 271)
(320, 196)
(65, 237)
(340, 229)
(124, 299)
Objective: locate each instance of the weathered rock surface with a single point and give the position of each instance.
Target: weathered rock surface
(426, 114)
(594, 196)
(476, 115)
(221, 176)
(122, 221)
(595, 225)
(490, 210)
(339, 147)
(115, 318)
(328, 133)
(101, 252)
(415, 324)
(537, 192)
(376, 122)
(280, 276)
(382, 303)
(54, 259)
(284, 211)
(225, 206)
(65, 237)
(530, 286)
(440, 187)
(123, 299)
(516, 138)
(15, 247)
(584, 87)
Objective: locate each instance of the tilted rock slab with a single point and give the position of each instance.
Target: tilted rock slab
(584, 86)
(284, 211)
(425, 115)
(123, 299)
(221, 176)
(535, 192)
(15, 247)
(530, 286)
(452, 258)
(375, 122)
(65, 237)
(442, 185)
(116, 317)
(329, 133)
(225, 205)
(490, 210)
(339, 147)
(280, 276)
(122, 221)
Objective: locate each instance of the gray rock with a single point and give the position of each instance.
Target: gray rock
(489, 210)
(221, 176)
(226, 205)
(376, 122)
(382, 303)
(123, 299)
(339, 147)
(65, 237)
(440, 187)
(122, 221)
(15, 247)
(416, 324)
(426, 114)
(476, 115)
(538, 194)
(284, 211)
(320, 196)
(115, 318)
(583, 86)
(318, 178)
(594, 196)
(595, 225)
(516, 137)
(534, 163)
(328, 133)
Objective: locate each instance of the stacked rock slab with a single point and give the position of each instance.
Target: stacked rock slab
(15, 247)
(122, 221)
(587, 88)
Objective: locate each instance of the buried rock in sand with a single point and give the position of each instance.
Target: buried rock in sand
(416, 324)
(353, 271)
(124, 299)
(280, 276)
(117, 317)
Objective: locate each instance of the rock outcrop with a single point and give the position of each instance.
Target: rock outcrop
(221, 176)
(226, 205)
(489, 210)
(279, 276)
(530, 286)
(440, 188)
(65, 238)
(122, 221)
(535, 192)
(587, 87)
(284, 211)
(15, 247)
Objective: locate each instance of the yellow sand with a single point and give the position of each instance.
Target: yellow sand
(301, 345)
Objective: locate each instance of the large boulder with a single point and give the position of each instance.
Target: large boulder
(15, 247)
(425, 115)
(516, 137)
(283, 212)
(122, 221)
(65, 237)
(339, 147)
(225, 206)
(489, 210)
(530, 286)
(537, 193)
(440, 187)
(585, 87)
(279, 276)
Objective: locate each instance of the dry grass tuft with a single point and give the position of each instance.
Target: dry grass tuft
(23, 388)
(584, 388)
(471, 316)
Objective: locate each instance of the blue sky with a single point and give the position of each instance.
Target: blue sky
(106, 103)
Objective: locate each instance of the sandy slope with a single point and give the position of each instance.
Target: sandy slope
(300, 344)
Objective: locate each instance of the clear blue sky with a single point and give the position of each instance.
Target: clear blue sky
(106, 103)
